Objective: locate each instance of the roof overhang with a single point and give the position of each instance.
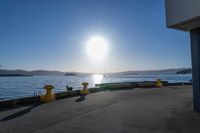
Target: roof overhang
(183, 14)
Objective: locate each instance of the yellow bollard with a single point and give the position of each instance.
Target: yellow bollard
(49, 96)
(85, 90)
(159, 83)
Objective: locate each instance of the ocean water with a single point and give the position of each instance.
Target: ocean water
(15, 87)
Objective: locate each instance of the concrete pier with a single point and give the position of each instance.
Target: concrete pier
(157, 110)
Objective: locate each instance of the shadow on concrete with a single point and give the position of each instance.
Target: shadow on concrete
(184, 121)
(20, 113)
(81, 98)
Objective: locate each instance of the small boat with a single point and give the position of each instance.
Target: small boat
(70, 74)
(104, 74)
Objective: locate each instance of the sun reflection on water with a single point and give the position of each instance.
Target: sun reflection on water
(97, 79)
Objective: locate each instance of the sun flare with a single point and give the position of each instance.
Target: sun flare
(97, 78)
(97, 48)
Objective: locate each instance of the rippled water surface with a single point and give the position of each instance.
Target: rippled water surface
(14, 87)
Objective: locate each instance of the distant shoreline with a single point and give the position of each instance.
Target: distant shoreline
(14, 75)
(4, 72)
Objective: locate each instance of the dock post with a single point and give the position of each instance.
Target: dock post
(85, 90)
(49, 96)
(195, 48)
(159, 83)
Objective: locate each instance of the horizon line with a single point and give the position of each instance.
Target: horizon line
(95, 72)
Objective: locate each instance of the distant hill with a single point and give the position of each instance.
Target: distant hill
(36, 72)
(125, 73)
(14, 72)
(46, 72)
(13, 75)
(58, 73)
(185, 71)
(152, 72)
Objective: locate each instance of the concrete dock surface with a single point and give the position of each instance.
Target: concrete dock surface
(155, 110)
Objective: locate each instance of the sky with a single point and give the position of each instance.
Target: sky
(53, 35)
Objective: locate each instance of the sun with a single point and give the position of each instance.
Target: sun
(97, 48)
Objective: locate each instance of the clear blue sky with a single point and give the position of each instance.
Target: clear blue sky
(52, 35)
